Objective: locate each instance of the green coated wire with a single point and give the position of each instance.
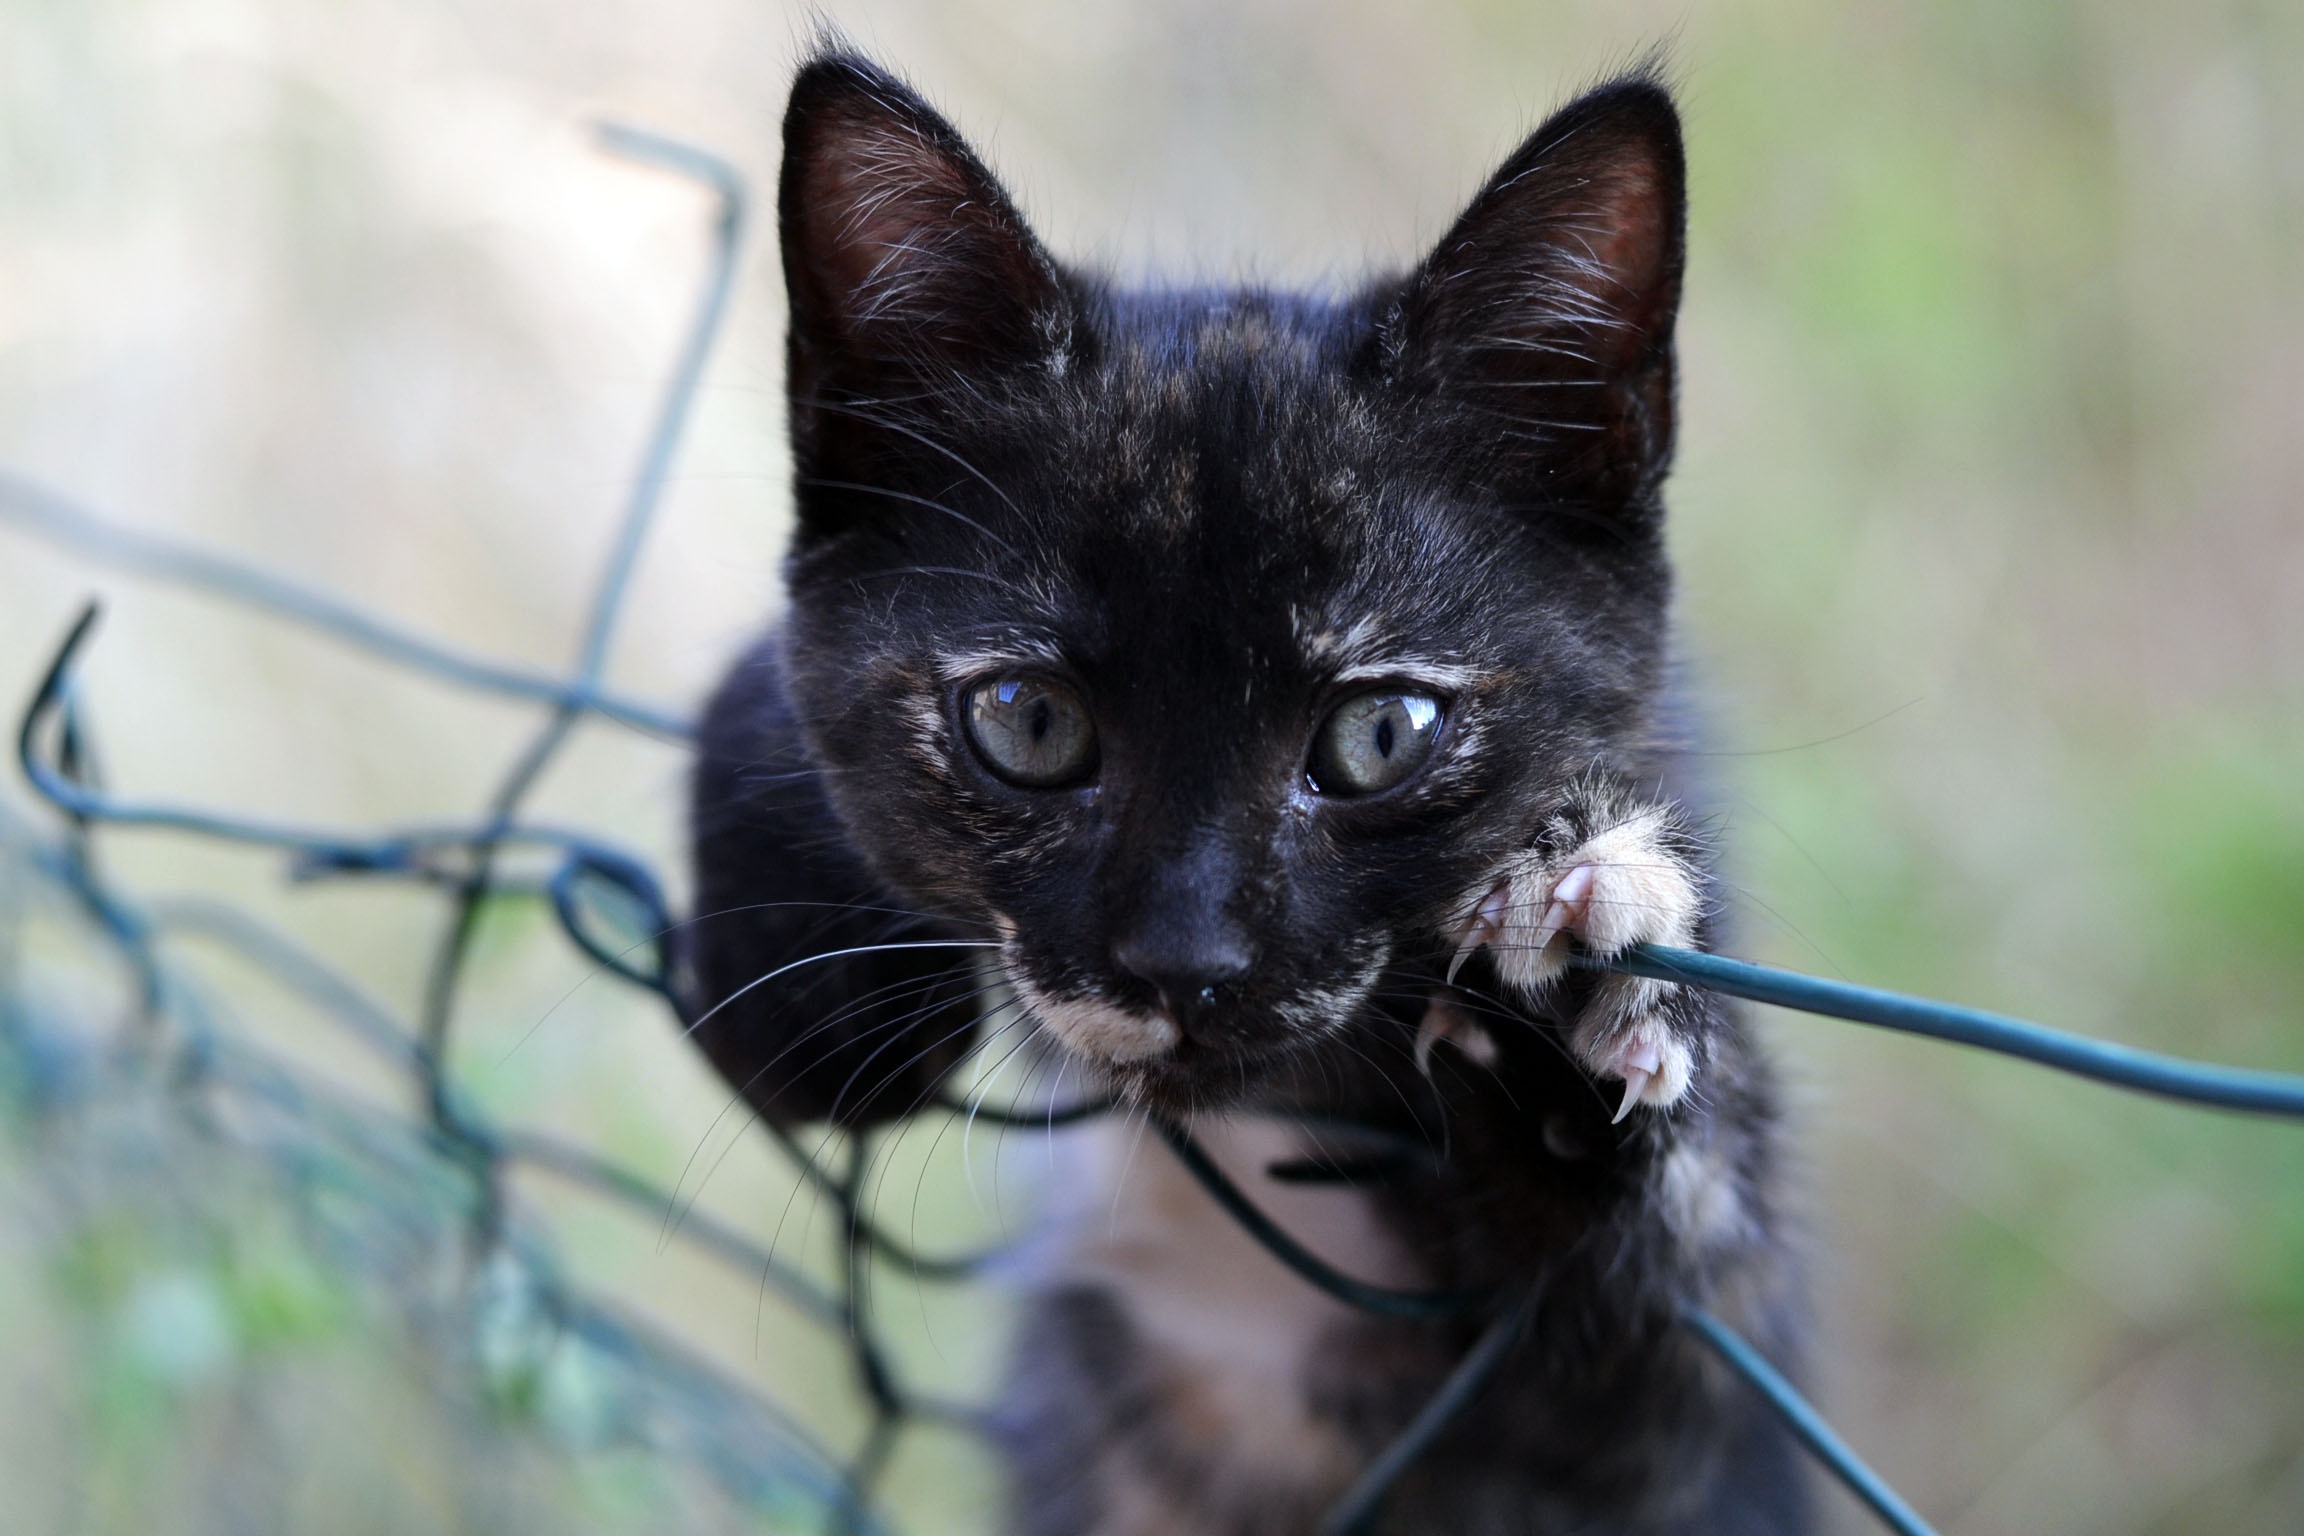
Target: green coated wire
(38, 510)
(1804, 1421)
(2105, 1061)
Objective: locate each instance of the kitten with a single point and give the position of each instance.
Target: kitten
(1274, 684)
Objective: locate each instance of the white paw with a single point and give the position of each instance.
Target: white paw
(1622, 886)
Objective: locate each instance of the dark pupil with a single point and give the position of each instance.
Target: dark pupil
(1040, 719)
(1384, 735)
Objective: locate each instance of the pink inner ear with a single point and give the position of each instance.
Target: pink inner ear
(906, 248)
(1627, 249)
(1588, 256)
(892, 206)
(1568, 259)
(1544, 317)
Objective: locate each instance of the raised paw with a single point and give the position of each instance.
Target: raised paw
(1633, 881)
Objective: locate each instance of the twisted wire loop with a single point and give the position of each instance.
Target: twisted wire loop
(612, 909)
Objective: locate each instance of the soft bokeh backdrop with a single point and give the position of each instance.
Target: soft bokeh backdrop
(1990, 518)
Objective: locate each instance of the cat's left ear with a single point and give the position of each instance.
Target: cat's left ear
(1545, 314)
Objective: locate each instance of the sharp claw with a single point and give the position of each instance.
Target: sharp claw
(1444, 1021)
(1428, 1035)
(1482, 927)
(1568, 899)
(1638, 1068)
(1635, 1084)
(1557, 917)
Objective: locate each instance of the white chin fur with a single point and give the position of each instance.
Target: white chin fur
(1097, 1029)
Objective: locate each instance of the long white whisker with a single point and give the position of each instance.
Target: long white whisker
(833, 954)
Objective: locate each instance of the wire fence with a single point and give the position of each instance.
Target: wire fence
(372, 1181)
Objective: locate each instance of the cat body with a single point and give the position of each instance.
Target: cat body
(1270, 690)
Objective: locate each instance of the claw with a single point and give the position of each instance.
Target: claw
(1555, 922)
(1635, 1084)
(1567, 907)
(1443, 1020)
(1638, 1068)
(1482, 927)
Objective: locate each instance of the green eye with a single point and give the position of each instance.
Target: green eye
(1374, 742)
(1030, 732)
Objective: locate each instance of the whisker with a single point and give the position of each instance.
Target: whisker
(925, 441)
(972, 1103)
(596, 970)
(918, 501)
(743, 1089)
(833, 954)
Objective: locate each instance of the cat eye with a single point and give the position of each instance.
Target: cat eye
(1373, 742)
(1030, 731)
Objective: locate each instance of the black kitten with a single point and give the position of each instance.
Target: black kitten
(1273, 684)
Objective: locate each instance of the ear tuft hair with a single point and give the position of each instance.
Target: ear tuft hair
(905, 261)
(1548, 307)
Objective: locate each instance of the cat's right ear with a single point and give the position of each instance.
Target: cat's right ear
(908, 267)
(1545, 315)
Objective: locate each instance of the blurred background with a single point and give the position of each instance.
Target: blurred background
(1990, 523)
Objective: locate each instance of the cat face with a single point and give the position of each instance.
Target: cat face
(1206, 648)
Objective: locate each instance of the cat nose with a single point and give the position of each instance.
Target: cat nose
(1194, 979)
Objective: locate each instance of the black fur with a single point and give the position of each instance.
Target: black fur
(1199, 509)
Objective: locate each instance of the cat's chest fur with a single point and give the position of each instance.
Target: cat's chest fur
(1238, 1339)
(1227, 1374)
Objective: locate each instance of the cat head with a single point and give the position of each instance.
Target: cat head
(1207, 648)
